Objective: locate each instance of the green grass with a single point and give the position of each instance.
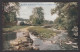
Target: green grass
(13, 28)
(43, 32)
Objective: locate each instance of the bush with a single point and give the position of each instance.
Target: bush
(22, 23)
(33, 32)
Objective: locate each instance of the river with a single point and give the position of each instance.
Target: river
(53, 43)
(44, 45)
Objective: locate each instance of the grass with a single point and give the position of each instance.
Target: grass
(43, 32)
(8, 32)
(13, 28)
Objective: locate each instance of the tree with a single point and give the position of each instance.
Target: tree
(68, 15)
(38, 16)
(10, 9)
(47, 22)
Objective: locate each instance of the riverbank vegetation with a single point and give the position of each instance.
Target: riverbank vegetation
(10, 12)
(13, 28)
(43, 32)
(68, 16)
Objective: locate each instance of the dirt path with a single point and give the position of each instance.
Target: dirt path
(25, 29)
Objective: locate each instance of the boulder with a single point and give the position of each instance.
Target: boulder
(14, 43)
(17, 47)
(35, 48)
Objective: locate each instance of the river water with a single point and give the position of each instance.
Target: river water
(44, 45)
(52, 43)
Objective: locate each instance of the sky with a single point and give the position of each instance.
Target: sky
(26, 9)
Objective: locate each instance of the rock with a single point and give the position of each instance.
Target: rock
(30, 48)
(30, 43)
(68, 42)
(26, 48)
(24, 39)
(22, 43)
(75, 46)
(26, 34)
(14, 42)
(21, 39)
(53, 42)
(35, 48)
(22, 48)
(17, 47)
(18, 41)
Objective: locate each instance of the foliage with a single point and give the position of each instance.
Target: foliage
(47, 22)
(22, 23)
(38, 16)
(10, 10)
(21, 19)
(68, 15)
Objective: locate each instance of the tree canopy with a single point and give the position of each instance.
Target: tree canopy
(10, 10)
(38, 16)
(68, 15)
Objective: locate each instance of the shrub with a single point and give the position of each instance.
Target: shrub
(22, 23)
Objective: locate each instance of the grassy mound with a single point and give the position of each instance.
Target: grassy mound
(42, 32)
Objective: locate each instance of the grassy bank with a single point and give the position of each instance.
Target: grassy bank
(42, 32)
(8, 32)
(13, 28)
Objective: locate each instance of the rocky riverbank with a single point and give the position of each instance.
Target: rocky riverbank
(24, 40)
(21, 42)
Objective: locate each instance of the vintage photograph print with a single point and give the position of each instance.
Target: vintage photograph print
(40, 26)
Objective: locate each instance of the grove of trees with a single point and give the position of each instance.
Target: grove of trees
(47, 22)
(68, 15)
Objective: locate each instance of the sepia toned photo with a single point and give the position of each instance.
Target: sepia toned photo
(40, 26)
